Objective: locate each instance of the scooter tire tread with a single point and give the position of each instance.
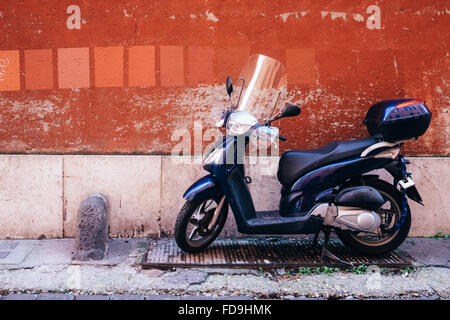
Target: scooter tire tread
(182, 220)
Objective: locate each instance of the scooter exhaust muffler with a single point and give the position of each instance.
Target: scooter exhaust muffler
(353, 209)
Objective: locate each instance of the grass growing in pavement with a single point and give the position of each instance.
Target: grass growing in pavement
(140, 252)
(361, 269)
(318, 270)
(292, 273)
(142, 245)
(440, 235)
(329, 270)
(406, 271)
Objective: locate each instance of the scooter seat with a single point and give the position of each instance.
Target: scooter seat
(296, 163)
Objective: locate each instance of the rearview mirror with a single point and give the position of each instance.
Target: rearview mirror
(290, 111)
(229, 85)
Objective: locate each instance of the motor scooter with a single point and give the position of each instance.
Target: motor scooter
(325, 189)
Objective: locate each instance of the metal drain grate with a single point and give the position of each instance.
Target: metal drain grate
(265, 253)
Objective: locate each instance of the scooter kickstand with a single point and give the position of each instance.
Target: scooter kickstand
(315, 241)
(326, 253)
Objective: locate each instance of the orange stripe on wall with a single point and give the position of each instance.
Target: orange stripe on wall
(108, 66)
(38, 69)
(73, 68)
(230, 61)
(172, 66)
(200, 65)
(141, 64)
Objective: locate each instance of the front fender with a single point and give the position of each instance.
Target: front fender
(203, 188)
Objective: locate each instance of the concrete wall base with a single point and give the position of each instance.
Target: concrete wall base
(40, 194)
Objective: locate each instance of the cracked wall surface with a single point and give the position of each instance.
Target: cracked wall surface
(120, 76)
(82, 82)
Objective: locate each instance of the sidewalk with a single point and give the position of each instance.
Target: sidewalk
(43, 269)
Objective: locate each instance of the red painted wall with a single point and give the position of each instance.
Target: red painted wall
(138, 69)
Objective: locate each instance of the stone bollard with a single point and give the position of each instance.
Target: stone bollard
(92, 229)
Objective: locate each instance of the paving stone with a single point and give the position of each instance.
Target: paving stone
(8, 245)
(91, 297)
(234, 298)
(213, 283)
(185, 276)
(161, 297)
(153, 273)
(55, 296)
(50, 252)
(428, 252)
(197, 298)
(127, 297)
(420, 284)
(252, 284)
(17, 252)
(59, 251)
(20, 296)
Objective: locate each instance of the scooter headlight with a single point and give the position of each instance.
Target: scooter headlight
(239, 123)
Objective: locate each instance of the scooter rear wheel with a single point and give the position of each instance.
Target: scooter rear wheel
(390, 213)
(193, 229)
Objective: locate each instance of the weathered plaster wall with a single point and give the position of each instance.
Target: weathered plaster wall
(122, 75)
(144, 193)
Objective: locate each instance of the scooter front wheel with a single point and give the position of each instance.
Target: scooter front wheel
(199, 223)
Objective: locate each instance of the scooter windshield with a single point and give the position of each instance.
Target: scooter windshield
(265, 87)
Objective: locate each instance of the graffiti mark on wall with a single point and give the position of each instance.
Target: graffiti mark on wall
(4, 63)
